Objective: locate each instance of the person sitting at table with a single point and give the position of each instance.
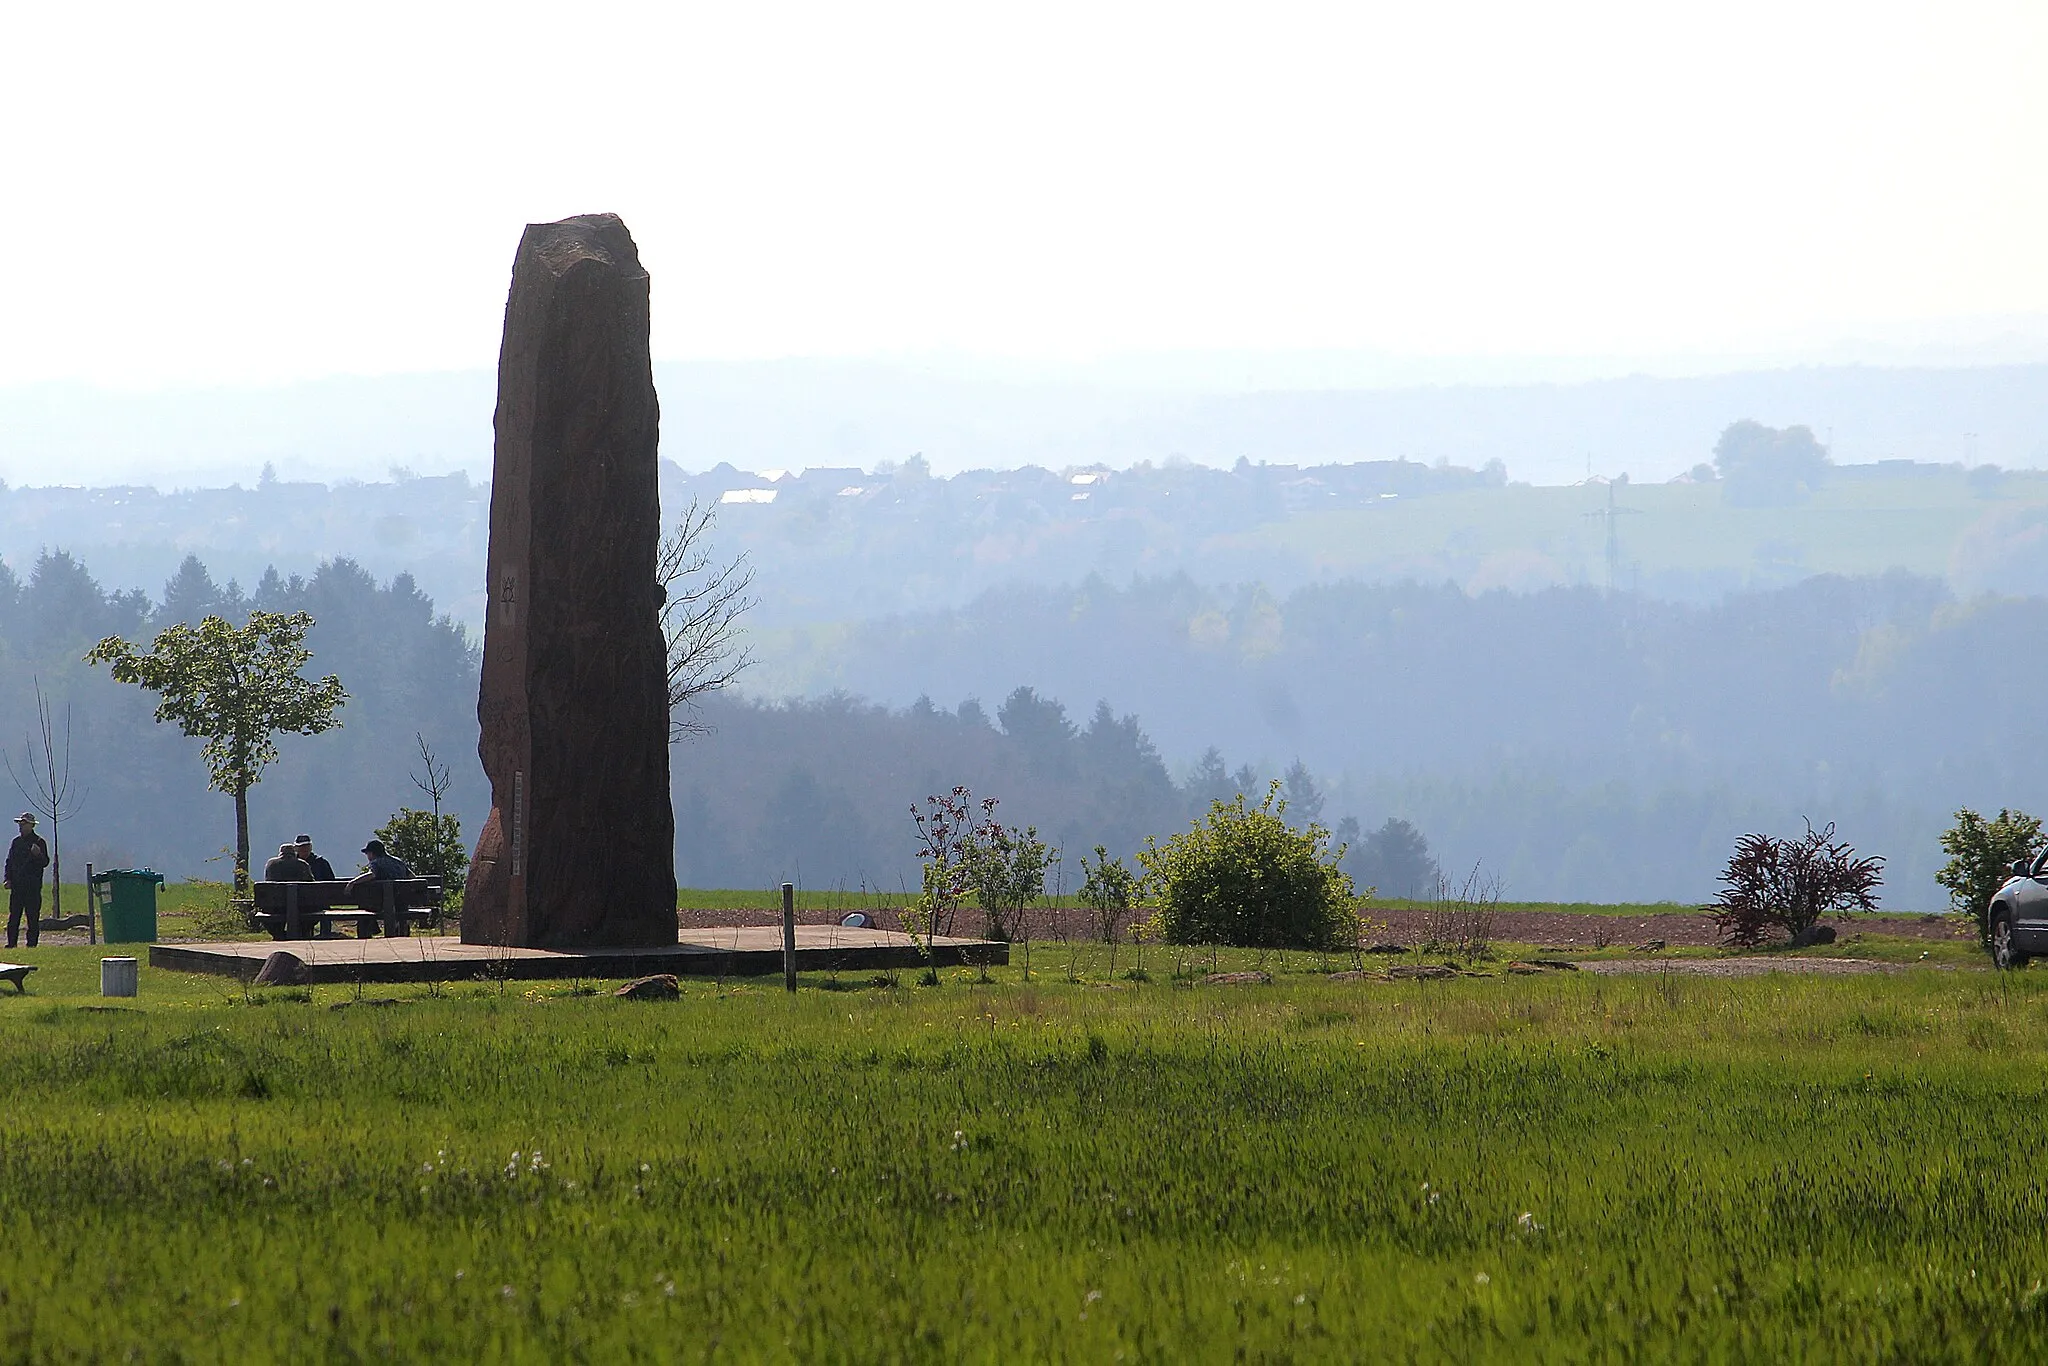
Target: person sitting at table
(323, 871)
(287, 866)
(363, 888)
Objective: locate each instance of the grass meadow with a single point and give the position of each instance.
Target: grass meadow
(1561, 1167)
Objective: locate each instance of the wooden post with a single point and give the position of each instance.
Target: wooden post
(788, 936)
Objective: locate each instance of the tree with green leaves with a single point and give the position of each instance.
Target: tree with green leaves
(1005, 867)
(238, 688)
(1980, 858)
(1762, 466)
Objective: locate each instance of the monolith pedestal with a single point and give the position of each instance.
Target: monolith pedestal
(578, 850)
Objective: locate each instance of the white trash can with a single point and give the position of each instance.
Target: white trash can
(117, 976)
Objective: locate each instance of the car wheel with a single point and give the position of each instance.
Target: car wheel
(2004, 953)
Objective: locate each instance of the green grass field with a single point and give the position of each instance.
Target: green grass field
(1552, 1168)
(1858, 523)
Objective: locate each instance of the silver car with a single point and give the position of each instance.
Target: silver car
(2019, 914)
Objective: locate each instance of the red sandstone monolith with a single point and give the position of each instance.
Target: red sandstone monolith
(579, 848)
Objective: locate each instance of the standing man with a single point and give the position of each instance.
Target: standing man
(323, 871)
(26, 859)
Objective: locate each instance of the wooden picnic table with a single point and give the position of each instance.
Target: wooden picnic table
(306, 910)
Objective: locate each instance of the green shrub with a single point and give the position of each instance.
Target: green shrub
(1245, 877)
(1981, 854)
(431, 846)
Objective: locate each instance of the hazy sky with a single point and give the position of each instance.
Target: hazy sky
(220, 192)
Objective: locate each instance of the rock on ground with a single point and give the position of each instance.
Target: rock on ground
(283, 969)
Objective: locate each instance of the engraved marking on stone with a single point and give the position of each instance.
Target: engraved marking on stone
(518, 822)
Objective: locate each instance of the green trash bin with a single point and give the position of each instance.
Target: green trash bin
(129, 916)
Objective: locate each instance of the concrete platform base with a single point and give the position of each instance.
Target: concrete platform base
(750, 951)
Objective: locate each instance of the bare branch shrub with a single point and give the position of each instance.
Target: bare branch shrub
(1459, 921)
(48, 787)
(701, 606)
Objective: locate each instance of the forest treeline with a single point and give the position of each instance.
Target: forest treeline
(144, 801)
(1579, 744)
(819, 791)
(412, 675)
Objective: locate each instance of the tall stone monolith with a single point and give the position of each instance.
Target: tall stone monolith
(578, 850)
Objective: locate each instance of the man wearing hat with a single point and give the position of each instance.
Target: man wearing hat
(287, 866)
(363, 889)
(26, 859)
(322, 870)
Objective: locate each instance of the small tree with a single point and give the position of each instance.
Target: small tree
(1108, 890)
(1247, 878)
(1981, 854)
(48, 788)
(1786, 886)
(701, 606)
(1005, 867)
(944, 824)
(238, 688)
(435, 784)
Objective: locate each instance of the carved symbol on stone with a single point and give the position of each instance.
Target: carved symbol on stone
(518, 823)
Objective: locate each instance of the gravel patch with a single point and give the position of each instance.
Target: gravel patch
(1735, 967)
(1573, 930)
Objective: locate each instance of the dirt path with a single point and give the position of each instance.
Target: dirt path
(1562, 930)
(1734, 967)
(1567, 930)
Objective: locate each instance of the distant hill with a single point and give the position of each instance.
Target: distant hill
(839, 545)
(794, 414)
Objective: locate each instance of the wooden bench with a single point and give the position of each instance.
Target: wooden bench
(16, 973)
(307, 910)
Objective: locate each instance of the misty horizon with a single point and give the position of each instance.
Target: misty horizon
(966, 413)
